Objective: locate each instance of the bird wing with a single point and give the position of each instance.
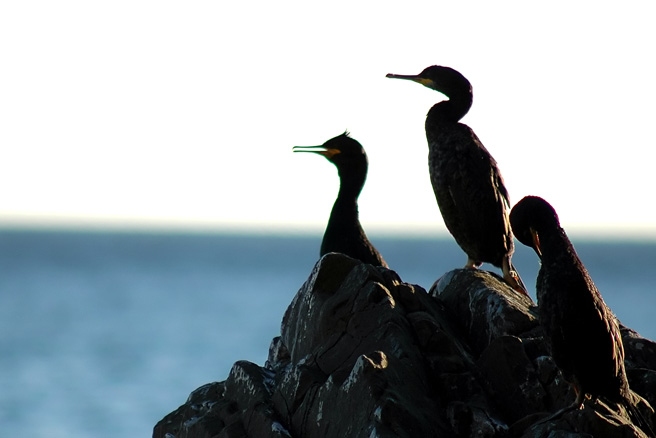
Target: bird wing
(468, 182)
(607, 324)
(585, 334)
(488, 162)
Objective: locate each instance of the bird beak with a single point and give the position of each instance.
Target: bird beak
(415, 78)
(536, 242)
(321, 150)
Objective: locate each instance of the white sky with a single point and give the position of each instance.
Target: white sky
(163, 113)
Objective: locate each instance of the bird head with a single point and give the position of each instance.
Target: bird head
(443, 79)
(529, 218)
(343, 151)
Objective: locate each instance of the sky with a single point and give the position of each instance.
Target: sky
(159, 114)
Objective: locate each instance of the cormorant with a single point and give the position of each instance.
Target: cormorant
(466, 180)
(344, 233)
(583, 332)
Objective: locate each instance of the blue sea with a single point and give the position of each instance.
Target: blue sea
(104, 333)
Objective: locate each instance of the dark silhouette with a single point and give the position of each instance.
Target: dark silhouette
(583, 332)
(466, 180)
(344, 234)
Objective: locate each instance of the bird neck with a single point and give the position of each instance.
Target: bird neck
(350, 186)
(345, 209)
(451, 110)
(344, 221)
(554, 244)
(343, 227)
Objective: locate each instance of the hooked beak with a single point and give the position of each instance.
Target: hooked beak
(415, 78)
(321, 150)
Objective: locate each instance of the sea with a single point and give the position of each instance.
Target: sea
(104, 333)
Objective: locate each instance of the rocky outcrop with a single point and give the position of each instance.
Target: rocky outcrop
(362, 354)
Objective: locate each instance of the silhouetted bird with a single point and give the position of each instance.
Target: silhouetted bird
(344, 233)
(466, 180)
(583, 332)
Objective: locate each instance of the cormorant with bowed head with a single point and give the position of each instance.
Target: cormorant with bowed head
(583, 332)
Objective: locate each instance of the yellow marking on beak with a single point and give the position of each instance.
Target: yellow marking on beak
(425, 82)
(329, 153)
(321, 150)
(536, 242)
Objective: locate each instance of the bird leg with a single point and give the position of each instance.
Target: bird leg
(511, 277)
(580, 397)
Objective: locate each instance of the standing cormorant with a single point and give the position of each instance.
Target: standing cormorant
(466, 180)
(344, 233)
(583, 332)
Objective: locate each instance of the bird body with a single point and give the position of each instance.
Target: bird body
(470, 193)
(583, 332)
(344, 233)
(585, 335)
(466, 180)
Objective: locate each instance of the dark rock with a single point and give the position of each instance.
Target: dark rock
(643, 381)
(362, 354)
(639, 352)
(511, 378)
(487, 308)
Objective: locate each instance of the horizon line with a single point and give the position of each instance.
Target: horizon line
(639, 233)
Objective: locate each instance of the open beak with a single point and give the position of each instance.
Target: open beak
(321, 150)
